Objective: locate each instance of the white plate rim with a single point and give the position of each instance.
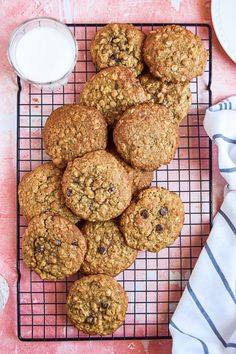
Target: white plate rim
(219, 29)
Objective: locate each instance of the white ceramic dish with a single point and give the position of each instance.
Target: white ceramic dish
(223, 14)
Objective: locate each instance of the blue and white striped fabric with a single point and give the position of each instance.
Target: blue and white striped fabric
(205, 318)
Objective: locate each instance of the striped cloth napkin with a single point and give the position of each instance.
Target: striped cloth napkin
(205, 318)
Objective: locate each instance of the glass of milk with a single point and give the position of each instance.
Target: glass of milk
(43, 51)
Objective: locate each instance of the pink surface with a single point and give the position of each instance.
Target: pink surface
(13, 13)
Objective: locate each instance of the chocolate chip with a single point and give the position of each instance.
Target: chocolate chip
(116, 86)
(76, 180)
(115, 58)
(101, 249)
(163, 211)
(89, 319)
(58, 242)
(159, 228)
(74, 243)
(69, 192)
(144, 213)
(111, 188)
(39, 248)
(104, 305)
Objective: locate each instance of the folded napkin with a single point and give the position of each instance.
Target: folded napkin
(205, 318)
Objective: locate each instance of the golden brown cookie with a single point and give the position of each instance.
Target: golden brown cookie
(153, 220)
(96, 186)
(174, 54)
(40, 190)
(176, 97)
(53, 247)
(97, 304)
(118, 44)
(107, 252)
(140, 179)
(72, 131)
(146, 136)
(112, 91)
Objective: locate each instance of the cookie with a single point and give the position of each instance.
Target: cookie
(97, 304)
(153, 220)
(112, 91)
(140, 179)
(174, 54)
(146, 136)
(176, 97)
(96, 186)
(53, 247)
(40, 190)
(107, 252)
(118, 44)
(72, 131)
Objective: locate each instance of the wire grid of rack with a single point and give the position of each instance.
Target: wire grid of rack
(154, 283)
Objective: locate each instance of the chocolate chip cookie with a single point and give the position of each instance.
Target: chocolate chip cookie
(146, 136)
(72, 131)
(53, 247)
(96, 186)
(40, 190)
(140, 179)
(112, 91)
(118, 44)
(174, 54)
(176, 97)
(107, 252)
(153, 220)
(97, 304)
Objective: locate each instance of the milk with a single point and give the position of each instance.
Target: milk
(45, 54)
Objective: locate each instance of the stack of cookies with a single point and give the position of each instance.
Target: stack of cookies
(92, 208)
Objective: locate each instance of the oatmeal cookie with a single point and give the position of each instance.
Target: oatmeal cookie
(140, 179)
(146, 136)
(176, 97)
(153, 220)
(118, 44)
(53, 247)
(97, 304)
(96, 186)
(72, 131)
(40, 190)
(107, 252)
(112, 91)
(174, 54)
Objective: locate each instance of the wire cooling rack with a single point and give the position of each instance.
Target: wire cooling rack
(155, 282)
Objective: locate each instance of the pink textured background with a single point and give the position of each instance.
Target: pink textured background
(13, 13)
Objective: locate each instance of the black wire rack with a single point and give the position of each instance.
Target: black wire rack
(155, 282)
